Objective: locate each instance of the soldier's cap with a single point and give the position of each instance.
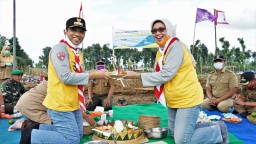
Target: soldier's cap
(100, 61)
(246, 77)
(76, 22)
(17, 72)
(219, 57)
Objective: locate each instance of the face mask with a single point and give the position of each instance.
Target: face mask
(6, 52)
(99, 67)
(161, 44)
(218, 65)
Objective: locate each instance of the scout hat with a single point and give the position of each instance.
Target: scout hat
(246, 77)
(76, 22)
(219, 57)
(17, 72)
(101, 61)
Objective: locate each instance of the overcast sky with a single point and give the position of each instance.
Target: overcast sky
(40, 23)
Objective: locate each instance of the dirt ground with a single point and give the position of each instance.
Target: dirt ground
(133, 92)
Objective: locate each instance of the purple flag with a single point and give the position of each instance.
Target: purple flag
(202, 15)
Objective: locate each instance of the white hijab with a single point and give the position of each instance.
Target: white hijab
(171, 31)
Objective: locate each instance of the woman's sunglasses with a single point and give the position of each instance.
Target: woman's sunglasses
(161, 29)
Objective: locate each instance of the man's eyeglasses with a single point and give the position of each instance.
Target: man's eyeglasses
(160, 29)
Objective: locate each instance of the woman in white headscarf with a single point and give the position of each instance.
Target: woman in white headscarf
(176, 84)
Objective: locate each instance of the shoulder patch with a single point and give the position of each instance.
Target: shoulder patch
(61, 55)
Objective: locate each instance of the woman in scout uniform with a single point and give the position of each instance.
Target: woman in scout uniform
(245, 103)
(100, 91)
(176, 84)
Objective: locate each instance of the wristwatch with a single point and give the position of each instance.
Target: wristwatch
(2, 106)
(89, 97)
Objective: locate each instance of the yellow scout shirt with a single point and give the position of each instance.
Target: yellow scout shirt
(62, 97)
(183, 90)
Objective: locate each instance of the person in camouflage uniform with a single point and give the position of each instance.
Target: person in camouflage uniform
(245, 103)
(12, 89)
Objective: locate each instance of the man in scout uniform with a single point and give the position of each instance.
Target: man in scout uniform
(12, 89)
(100, 91)
(220, 87)
(65, 92)
(245, 103)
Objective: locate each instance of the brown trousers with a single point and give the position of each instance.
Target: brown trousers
(223, 106)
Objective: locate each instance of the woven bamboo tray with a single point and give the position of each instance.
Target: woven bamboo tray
(148, 122)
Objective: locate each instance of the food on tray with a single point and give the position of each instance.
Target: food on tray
(102, 128)
(229, 117)
(253, 114)
(94, 114)
(203, 118)
(119, 126)
(234, 120)
(113, 73)
(119, 130)
(124, 73)
(116, 73)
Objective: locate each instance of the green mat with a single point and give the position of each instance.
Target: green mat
(132, 112)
